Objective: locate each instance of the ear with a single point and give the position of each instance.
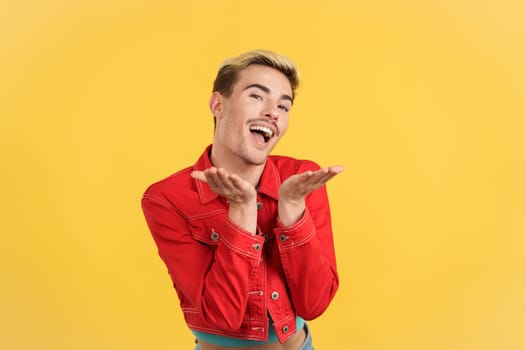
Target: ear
(216, 105)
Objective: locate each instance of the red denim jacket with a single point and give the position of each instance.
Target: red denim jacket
(228, 279)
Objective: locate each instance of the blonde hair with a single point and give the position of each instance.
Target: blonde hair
(228, 71)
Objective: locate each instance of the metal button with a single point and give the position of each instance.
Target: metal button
(259, 205)
(256, 247)
(283, 238)
(275, 295)
(285, 328)
(214, 235)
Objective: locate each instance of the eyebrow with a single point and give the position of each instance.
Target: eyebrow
(267, 90)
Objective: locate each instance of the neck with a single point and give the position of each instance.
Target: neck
(235, 165)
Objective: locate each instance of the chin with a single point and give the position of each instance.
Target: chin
(259, 158)
(255, 156)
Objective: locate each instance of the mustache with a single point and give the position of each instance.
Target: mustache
(265, 121)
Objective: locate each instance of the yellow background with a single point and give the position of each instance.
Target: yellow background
(422, 101)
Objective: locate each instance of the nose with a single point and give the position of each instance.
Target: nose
(271, 112)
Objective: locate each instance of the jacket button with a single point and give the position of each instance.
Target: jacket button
(275, 295)
(214, 235)
(283, 238)
(259, 205)
(285, 328)
(256, 247)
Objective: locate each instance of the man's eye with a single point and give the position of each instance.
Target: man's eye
(284, 108)
(257, 97)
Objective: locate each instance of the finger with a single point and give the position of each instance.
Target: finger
(302, 177)
(240, 184)
(326, 178)
(337, 169)
(325, 174)
(224, 180)
(301, 183)
(329, 176)
(320, 178)
(198, 175)
(211, 177)
(333, 171)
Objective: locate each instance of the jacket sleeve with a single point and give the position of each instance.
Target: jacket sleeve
(308, 257)
(215, 281)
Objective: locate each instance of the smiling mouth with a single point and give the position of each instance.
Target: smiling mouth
(264, 131)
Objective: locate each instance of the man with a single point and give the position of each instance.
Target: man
(246, 236)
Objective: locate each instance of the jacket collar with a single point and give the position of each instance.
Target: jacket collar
(268, 185)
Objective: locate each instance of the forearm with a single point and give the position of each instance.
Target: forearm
(227, 280)
(212, 269)
(308, 257)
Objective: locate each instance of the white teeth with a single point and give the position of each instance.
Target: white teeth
(267, 131)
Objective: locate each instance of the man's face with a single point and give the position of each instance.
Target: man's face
(254, 117)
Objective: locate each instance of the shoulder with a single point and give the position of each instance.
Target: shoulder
(175, 186)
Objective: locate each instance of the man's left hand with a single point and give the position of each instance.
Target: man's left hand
(294, 190)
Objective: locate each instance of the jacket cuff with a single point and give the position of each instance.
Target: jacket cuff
(297, 234)
(241, 241)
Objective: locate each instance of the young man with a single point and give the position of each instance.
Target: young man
(246, 236)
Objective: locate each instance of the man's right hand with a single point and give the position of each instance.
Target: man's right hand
(240, 194)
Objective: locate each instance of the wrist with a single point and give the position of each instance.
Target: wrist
(244, 215)
(290, 211)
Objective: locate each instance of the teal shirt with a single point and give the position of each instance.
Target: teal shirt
(235, 342)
